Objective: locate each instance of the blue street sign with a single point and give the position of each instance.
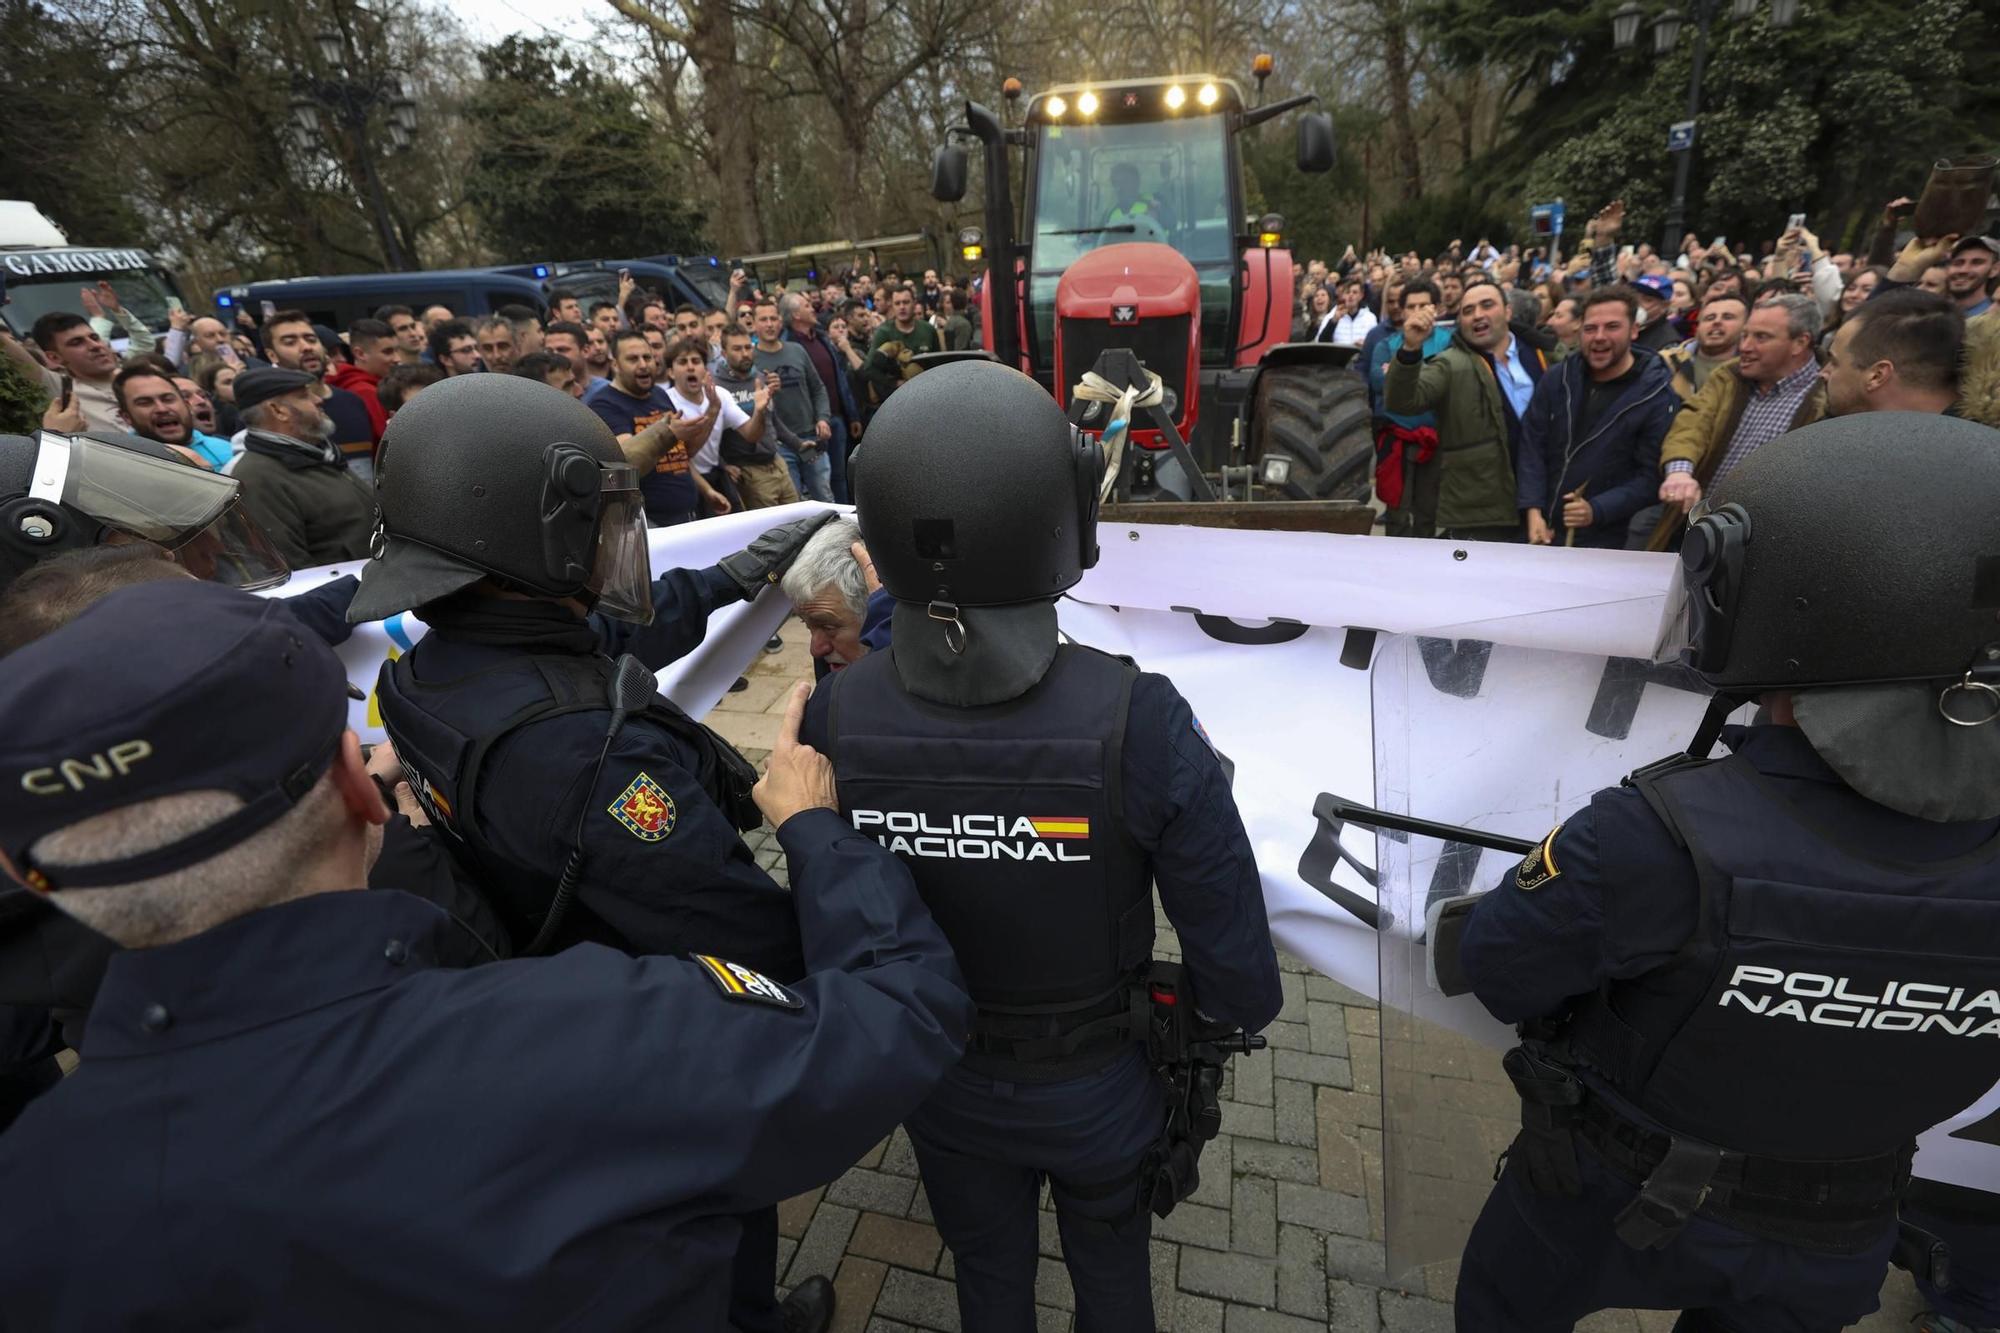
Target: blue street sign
(1547, 218)
(1680, 136)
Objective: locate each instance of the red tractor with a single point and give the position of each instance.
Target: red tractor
(1135, 234)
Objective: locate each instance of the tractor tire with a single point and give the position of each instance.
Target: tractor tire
(1319, 417)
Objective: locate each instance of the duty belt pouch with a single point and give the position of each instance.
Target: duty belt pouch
(1677, 1187)
(1923, 1255)
(1546, 1146)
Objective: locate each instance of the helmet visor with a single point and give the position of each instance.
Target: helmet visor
(621, 580)
(191, 512)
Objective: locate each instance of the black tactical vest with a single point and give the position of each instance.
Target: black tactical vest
(1830, 1004)
(1011, 819)
(443, 730)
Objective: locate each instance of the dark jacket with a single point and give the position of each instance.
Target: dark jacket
(1470, 483)
(312, 508)
(1617, 463)
(840, 394)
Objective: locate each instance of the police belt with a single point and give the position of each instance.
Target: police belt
(1060, 1041)
(1843, 1205)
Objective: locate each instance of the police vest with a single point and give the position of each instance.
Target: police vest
(1828, 1005)
(1011, 819)
(443, 730)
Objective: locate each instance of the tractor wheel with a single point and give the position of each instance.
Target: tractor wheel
(1319, 417)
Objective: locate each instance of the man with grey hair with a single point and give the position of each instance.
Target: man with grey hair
(296, 481)
(829, 586)
(283, 1064)
(1772, 387)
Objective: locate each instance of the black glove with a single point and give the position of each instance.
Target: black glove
(764, 561)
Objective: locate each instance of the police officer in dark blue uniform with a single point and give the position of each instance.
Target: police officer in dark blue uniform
(510, 520)
(1037, 790)
(289, 1115)
(1746, 984)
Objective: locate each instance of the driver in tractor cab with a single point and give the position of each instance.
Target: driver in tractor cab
(1130, 210)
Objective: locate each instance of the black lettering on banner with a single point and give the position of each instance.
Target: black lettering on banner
(1456, 666)
(1224, 630)
(1985, 1131)
(1357, 648)
(1624, 683)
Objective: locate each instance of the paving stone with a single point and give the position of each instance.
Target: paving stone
(1609, 1321)
(824, 1242)
(1364, 1021)
(1234, 1277)
(1352, 1308)
(1364, 1056)
(1279, 1161)
(1293, 987)
(1255, 1122)
(1414, 1314)
(1244, 1319)
(1332, 1071)
(872, 1159)
(1051, 1320)
(1345, 1106)
(1287, 963)
(1322, 1209)
(900, 1159)
(1191, 1223)
(888, 1326)
(786, 1248)
(1327, 1022)
(796, 1213)
(896, 1241)
(1165, 1261)
(1289, 1036)
(1253, 1077)
(1052, 1285)
(920, 1206)
(1195, 1314)
(1217, 1158)
(1356, 1260)
(1294, 1121)
(1301, 1272)
(1048, 1234)
(927, 1302)
(874, 1191)
(1253, 1217)
(854, 1291)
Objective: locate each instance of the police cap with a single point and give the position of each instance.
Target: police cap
(235, 696)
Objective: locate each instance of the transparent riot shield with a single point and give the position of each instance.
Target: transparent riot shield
(1504, 740)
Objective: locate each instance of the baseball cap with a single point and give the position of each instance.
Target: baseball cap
(236, 696)
(267, 382)
(1986, 243)
(1655, 284)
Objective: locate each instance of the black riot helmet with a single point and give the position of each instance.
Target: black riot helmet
(65, 492)
(503, 477)
(1862, 549)
(974, 490)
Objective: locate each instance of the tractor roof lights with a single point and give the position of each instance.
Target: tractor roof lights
(1208, 95)
(1056, 108)
(1086, 103)
(1176, 97)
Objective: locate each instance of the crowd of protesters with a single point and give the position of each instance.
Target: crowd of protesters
(751, 405)
(1518, 396)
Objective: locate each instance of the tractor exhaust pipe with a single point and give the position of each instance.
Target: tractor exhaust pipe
(1002, 287)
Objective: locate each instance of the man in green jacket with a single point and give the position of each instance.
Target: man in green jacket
(903, 336)
(1478, 387)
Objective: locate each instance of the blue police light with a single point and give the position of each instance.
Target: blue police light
(541, 270)
(712, 263)
(225, 300)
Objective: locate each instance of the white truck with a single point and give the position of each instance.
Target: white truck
(42, 272)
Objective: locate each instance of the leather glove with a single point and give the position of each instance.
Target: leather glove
(764, 561)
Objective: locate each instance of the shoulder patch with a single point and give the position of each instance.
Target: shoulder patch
(737, 982)
(646, 810)
(1539, 866)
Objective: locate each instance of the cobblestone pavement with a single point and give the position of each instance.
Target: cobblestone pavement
(1285, 1233)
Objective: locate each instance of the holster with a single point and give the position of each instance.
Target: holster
(1546, 1146)
(1677, 1186)
(1188, 1053)
(1923, 1255)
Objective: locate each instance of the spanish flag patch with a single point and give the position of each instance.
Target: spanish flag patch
(1060, 826)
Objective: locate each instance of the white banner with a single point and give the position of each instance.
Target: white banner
(1272, 638)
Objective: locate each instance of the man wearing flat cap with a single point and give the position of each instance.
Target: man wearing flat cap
(296, 481)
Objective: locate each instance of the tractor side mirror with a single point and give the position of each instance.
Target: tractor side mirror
(948, 172)
(1315, 142)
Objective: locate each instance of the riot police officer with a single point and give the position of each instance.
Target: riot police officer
(1037, 790)
(1746, 984)
(66, 492)
(507, 516)
(293, 1112)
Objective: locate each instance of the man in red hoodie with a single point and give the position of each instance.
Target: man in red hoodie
(371, 350)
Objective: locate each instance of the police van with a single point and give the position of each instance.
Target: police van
(701, 282)
(43, 272)
(338, 300)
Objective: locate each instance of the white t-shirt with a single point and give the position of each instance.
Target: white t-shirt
(731, 417)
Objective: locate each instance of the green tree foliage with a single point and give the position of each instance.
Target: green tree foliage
(1314, 206)
(1831, 117)
(566, 165)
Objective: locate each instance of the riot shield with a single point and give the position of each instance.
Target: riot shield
(1505, 740)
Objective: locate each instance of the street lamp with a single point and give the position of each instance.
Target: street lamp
(351, 99)
(1625, 21)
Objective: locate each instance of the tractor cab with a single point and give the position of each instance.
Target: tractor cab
(1134, 235)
